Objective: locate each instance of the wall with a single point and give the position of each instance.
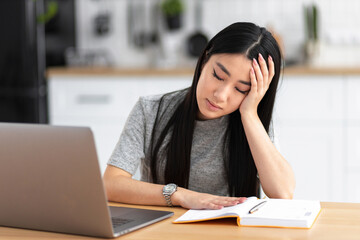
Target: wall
(339, 24)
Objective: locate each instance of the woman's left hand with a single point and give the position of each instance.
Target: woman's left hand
(260, 77)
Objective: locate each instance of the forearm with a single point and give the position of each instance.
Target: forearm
(275, 173)
(128, 190)
(124, 189)
(120, 187)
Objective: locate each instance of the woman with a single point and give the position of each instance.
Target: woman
(208, 146)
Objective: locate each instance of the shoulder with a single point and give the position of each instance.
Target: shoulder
(167, 97)
(150, 101)
(150, 104)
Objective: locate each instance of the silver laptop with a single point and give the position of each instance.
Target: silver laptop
(50, 180)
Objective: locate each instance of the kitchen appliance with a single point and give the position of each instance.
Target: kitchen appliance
(23, 92)
(197, 41)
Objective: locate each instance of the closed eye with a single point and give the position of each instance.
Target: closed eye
(216, 76)
(220, 79)
(243, 92)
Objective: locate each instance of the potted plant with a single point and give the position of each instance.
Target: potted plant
(172, 10)
(312, 30)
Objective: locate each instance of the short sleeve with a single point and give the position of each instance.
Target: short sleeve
(130, 149)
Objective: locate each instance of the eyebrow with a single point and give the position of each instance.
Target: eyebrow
(228, 73)
(223, 68)
(244, 82)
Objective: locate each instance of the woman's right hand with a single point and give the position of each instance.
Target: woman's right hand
(195, 200)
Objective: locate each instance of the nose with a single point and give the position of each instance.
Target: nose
(221, 93)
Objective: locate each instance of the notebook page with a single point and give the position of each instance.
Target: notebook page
(279, 212)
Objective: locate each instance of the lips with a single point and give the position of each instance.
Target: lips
(212, 106)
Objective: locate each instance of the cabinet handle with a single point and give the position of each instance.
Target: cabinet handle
(93, 99)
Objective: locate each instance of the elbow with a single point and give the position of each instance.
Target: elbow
(287, 193)
(282, 193)
(116, 183)
(108, 188)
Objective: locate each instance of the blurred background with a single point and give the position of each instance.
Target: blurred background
(136, 34)
(86, 62)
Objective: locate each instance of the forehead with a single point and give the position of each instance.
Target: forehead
(238, 65)
(231, 59)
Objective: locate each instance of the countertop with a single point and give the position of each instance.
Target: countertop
(108, 71)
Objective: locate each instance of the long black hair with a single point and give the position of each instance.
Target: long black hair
(176, 131)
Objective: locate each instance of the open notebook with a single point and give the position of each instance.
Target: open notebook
(262, 213)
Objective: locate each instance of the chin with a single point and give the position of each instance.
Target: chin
(208, 116)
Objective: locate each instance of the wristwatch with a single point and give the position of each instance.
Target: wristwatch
(169, 190)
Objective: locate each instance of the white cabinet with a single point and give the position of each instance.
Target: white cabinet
(315, 153)
(103, 103)
(353, 98)
(352, 170)
(303, 98)
(309, 115)
(352, 162)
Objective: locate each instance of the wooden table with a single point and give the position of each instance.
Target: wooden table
(338, 221)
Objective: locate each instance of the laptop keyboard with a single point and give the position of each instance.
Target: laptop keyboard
(116, 222)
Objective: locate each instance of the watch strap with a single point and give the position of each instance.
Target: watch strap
(169, 192)
(168, 200)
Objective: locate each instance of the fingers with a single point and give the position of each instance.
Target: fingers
(253, 81)
(263, 74)
(264, 71)
(226, 201)
(271, 68)
(213, 206)
(242, 199)
(195, 200)
(220, 202)
(258, 73)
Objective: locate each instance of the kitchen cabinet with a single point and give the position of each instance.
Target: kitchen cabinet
(309, 125)
(103, 103)
(315, 153)
(352, 161)
(319, 98)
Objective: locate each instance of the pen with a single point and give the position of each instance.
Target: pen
(256, 207)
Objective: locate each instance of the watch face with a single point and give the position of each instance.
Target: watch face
(169, 188)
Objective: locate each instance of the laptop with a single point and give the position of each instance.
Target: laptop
(50, 180)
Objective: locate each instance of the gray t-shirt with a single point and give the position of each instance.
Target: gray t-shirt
(207, 171)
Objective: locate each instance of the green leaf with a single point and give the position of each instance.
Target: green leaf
(52, 10)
